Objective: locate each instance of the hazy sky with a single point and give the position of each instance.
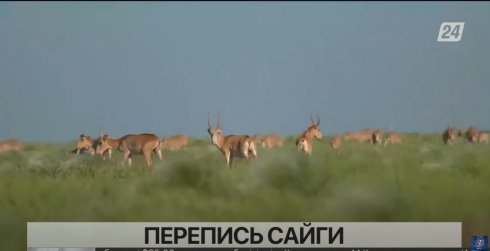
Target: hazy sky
(134, 67)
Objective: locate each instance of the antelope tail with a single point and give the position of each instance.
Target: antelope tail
(249, 141)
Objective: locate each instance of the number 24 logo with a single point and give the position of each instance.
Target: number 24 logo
(450, 32)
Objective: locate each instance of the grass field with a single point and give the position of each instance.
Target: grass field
(422, 180)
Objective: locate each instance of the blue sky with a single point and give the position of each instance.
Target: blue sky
(134, 67)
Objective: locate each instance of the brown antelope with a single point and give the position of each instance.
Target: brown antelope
(175, 142)
(272, 140)
(348, 135)
(305, 143)
(336, 141)
(304, 140)
(10, 144)
(361, 136)
(393, 137)
(258, 139)
(86, 144)
(449, 135)
(461, 132)
(472, 134)
(132, 144)
(483, 137)
(369, 131)
(232, 146)
(377, 137)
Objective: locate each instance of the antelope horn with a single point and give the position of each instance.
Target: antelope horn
(312, 120)
(219, 122)
(318, 119)
(209, 121)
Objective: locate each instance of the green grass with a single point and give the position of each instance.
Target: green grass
(422, 180)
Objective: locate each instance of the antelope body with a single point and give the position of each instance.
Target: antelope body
(369, 130)
(175, 142)
(472, 134)
(305, 143)
(336, 141)
(132, 144)
(304, 140)
(269, 141)
(483, 137)
(393, 137)
(231, 146)
(10, 144)
(361, 136)
(449, 135)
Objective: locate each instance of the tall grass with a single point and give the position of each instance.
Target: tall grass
(421, 180)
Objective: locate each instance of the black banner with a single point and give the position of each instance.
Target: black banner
(283, 249)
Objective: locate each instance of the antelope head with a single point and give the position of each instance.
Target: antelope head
(348, 135)
(103, 145)
(314, 128)
(215, 133)
(84, 142)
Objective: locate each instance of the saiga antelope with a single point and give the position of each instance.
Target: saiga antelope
(361, 136)
(86, 143)
(304, 140)
(348, 135)
(175, 142)
(10, 144)
(232, 146)
(132, 144)
(483, 137)
(336, 141)
(258, 139)
(472, 134)
(449, 135)
(366, 135)
(369, 131)
(393, 137)
(268, 141)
